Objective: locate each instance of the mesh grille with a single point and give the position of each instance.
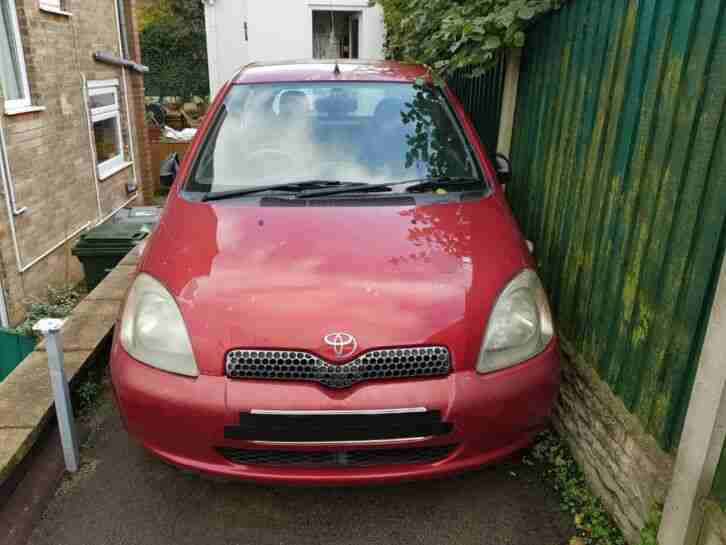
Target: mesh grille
(377, 364)
(337, 458)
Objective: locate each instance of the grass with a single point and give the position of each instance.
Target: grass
(594, 524)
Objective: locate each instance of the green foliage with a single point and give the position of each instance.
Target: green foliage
(450, 35)
(58, 303)
(174, 47)
(594, 524)
(87, 393)
(427, 143)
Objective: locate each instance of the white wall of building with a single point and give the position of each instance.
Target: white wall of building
(227, 49)
(277, 30)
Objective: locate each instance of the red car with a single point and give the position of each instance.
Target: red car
(337, 291)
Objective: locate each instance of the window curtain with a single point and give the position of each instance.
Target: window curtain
(9, 66)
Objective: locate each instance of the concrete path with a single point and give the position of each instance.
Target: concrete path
(124, 496)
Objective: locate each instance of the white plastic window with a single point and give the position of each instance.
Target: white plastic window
(13, 75)
(106, 120)
(56, 5)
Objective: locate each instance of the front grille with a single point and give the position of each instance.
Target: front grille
(337, 458)
(393, 363)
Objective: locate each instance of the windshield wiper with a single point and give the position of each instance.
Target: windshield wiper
(420, 184)
(442, 182)
(289, 186)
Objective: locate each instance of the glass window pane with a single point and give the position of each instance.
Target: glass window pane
(353, 131)
(52, 4)
(105, 134)
(10, 72)
(105, 99)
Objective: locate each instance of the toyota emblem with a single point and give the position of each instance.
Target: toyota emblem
(343, 344)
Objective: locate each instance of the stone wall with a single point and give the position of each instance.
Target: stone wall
(623, 465)
(50, 155)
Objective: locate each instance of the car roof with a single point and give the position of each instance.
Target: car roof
(324, 70)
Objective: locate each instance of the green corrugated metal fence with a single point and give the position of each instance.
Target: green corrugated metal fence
(13, 349)
(482, 99)
(619, 155)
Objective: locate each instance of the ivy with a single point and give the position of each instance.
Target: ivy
(460, 34)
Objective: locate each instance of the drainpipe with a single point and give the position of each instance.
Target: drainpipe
(129, 189)
(703, 433)
(8, 188)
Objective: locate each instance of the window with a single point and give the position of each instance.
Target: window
(58, 7)
(370, 132)
(51, 4)
(13, 76)
(106, 120)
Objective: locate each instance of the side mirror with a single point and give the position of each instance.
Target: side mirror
(503, 166)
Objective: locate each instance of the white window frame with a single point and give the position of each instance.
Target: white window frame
(54, 6)
(25, 102)
(104, 87)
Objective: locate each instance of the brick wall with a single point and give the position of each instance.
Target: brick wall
(50, 155)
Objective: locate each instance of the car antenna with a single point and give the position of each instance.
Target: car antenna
(336, 70)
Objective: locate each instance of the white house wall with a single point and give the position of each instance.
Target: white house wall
(227, 49)
(277, 30)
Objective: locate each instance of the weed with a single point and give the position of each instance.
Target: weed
(87, 393)
(57, 303)
(594, 524)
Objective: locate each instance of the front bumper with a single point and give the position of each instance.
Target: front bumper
(182, 420)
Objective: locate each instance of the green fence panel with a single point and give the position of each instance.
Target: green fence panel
(619, 157)
(481, 96)
(13, 349)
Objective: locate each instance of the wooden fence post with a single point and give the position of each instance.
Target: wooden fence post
(509, 101)
(703, 433)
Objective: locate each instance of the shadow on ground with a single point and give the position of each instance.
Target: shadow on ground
(123, 495)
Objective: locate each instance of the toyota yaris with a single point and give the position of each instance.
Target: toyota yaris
(337, 291)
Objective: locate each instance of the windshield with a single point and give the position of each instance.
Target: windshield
(358, 132)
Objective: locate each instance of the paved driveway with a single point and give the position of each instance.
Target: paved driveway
(125, 496)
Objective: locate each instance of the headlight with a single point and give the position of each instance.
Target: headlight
(520, 325)
(153, 330)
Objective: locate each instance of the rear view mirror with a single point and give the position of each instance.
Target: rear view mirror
(503, 167)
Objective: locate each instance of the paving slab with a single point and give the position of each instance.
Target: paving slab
(14, 444)
(26, 401)
(115, 285)
(26, 397)
(88, 325)
(133, 257)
